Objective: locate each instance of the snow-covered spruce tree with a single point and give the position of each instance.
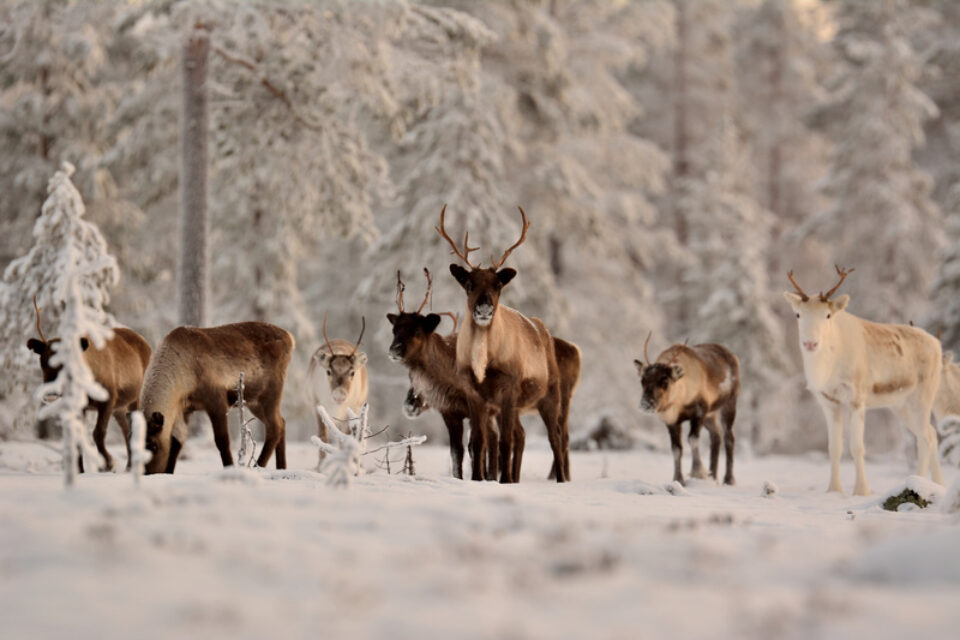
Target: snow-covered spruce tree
(882, 219)
(52, 54)
(944, 312)
(70, 272)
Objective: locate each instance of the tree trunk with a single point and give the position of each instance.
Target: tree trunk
(681, 165)
(193, 180)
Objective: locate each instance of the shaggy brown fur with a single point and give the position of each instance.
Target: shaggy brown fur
(196, 369)
(697, 384)
(119, 368)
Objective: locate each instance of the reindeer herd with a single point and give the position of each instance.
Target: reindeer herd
(500, 364)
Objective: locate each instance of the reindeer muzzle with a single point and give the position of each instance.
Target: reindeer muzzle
(396, 353)
(339, 395)
(811, 345)
(483, 314)
(646, 404)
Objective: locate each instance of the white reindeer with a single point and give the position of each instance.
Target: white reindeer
(337, 377)
(852, 365)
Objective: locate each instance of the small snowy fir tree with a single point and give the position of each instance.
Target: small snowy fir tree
(945, 313)
(70, 271)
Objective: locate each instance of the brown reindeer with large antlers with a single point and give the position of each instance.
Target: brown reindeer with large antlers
(118, 367)
(852, 365)
(345, 387)
(515, 352)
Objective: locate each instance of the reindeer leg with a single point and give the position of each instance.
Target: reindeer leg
(550, 413)
(508, 423)
(477, 445)
(120, 416)
(322, 434)
(676, 445)
(100, 433)
(519, 442)
(727, 416)
(833, 413)
(857, 450)
(275, 433)
(696, 466)
(454, 424)
(221, 434)
(715, 437)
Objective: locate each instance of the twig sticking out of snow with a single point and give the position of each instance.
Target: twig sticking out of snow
(246, 433)
(139, 455)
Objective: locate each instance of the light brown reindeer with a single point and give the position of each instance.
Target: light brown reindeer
(852, 365)
(337, 376)
(512, 358)
(118, 367)
(196, 369)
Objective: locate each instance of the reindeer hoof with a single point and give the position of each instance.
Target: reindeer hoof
(728, 480)
(861, 490)
(698, 473)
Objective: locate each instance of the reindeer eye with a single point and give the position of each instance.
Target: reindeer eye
(828, 316)
(329, 372)
(798, 315)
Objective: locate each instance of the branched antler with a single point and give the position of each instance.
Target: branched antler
(466, 241)
(426, 298)
(803, 295)
(363, 327)
(843, 273)
(37, 309)
(329, 346)
(455, 318)
(400, 289)
(523, 236)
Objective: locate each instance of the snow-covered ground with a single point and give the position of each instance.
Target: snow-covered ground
(264, 554)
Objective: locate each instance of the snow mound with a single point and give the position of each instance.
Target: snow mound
(769, 490)
(240, 475)
(926, 489)
(676, 489)
(642, 488)
(950, 501)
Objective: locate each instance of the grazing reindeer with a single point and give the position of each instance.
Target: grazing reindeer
(519, 350)
(345, 387)
(436, 383)
(852, 365)
(196, 369)
(697, 384)
(118, 367)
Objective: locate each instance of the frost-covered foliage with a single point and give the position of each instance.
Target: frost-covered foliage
(882, 219)
(945, 311)
(949, 431)
(70, 269)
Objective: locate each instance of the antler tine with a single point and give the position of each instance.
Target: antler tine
(400, 289)
(363, 327)
(646, 356)
(429, 286)
(37, 309)
(803, 295)
(455, 318)
(329, 346)
(940, 334)
(443, 233)
(523, 236)
(843, 273)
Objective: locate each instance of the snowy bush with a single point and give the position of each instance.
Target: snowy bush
(949, 429)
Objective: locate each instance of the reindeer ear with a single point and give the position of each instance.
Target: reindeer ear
(360, 359)
(461, 274)
(793, 299)
(322, 357)
(676, 372)
(839, 303)
(37, 346)
(506, 275)
(639, 365)
(430, 323)
(84, 344)
(392, 317)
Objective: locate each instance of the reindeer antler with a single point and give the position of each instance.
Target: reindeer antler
(466, 241)
(646, 356)
(803, 295)
(363, 327)
(426, 298)
(523, 236)
(843, 273)
(329, 346)
(37, 309)
(455, 318)
(400, 289)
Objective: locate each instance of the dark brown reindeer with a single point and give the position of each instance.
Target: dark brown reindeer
(514, 351)
(435, 381)
(696, 384)
(196, 369)
(118, 367)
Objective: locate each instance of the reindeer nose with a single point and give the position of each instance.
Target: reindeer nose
(811, 345)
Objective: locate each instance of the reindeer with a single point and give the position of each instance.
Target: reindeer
(118, 367)
(345, 387)
(947, 401)
(852, 365)
(516, 353)
(196, 369)
(436, 383)
(698, 384)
